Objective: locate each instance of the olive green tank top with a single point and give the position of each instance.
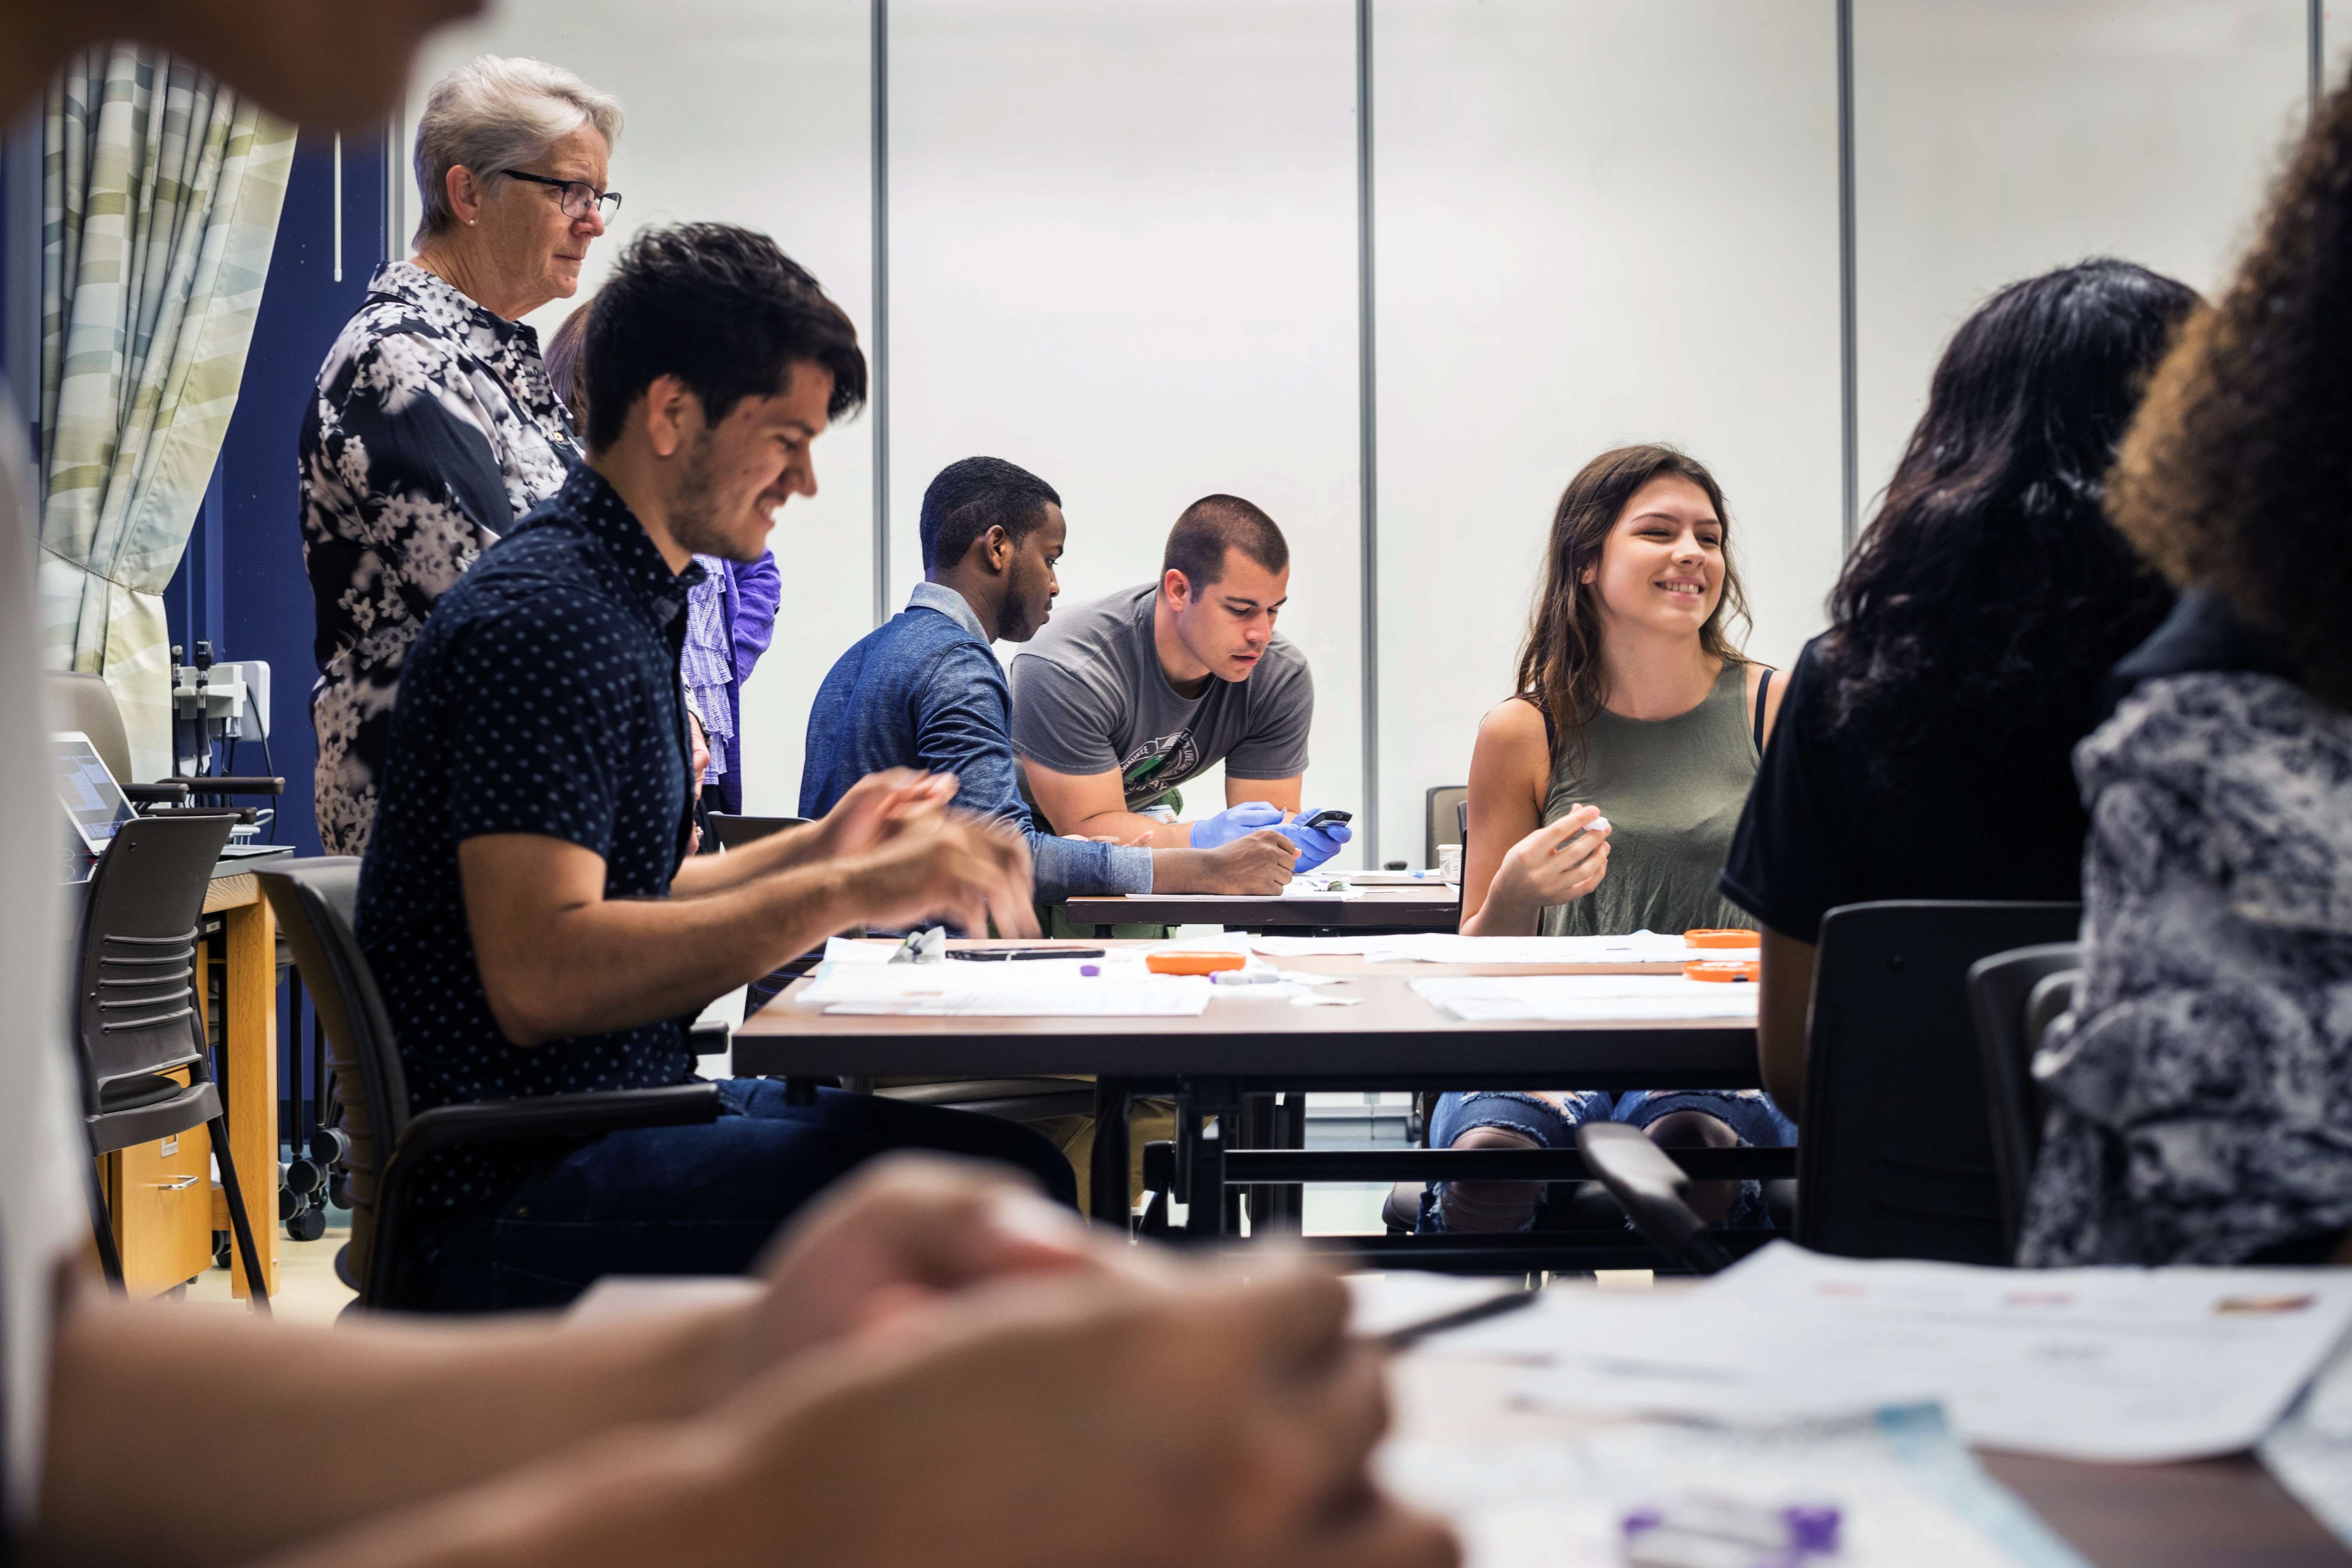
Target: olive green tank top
(1673, 790)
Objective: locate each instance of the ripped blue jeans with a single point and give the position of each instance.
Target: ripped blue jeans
(1551, 1117)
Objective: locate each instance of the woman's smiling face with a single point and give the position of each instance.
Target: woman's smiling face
(1660, 567)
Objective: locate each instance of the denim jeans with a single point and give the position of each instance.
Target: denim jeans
(1552, 1121)
(702, 1199)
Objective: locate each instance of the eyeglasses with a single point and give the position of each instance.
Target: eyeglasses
(579, 198)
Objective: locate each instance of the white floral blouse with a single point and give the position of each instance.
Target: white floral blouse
(433, 429)
(2202, 1093)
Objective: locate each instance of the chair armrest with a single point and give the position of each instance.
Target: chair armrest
(448, 1127)
(554, 1116)
(1648, 1185)
(148, 794)
(708, 1039)
(232, 784)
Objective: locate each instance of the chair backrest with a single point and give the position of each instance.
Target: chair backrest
(316, 902)
(734, 832)
(1443, 818)
(1896, 1157)
(2014, 997)
(136, 992)
(85, 702)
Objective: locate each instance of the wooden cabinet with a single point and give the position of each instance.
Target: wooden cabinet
(161, 1196)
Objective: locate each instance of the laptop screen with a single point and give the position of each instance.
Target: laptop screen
(91, 796)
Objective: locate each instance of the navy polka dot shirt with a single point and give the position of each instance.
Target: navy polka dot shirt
(542, 696)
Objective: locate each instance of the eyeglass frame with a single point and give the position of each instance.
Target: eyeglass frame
(596, 198)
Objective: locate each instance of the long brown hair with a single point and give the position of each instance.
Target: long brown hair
(1560, 663)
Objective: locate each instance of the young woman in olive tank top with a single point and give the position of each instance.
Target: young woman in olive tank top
(1603, 797)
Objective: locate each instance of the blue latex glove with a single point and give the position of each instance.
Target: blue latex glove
(1234, 822)
(1316, 844)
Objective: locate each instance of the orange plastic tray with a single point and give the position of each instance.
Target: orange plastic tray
(1721, 938)
(1166, 963)
(1722, 969)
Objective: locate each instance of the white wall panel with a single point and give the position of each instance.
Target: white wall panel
(1997, 139)
(1599, 221)
(1122, 255)
(749, 112)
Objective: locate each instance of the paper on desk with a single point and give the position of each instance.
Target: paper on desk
(1910, 1495)
(2310, 1452)
(1641, 947)
(1299, 889)
(1579, 998)
(1039, 988)
(1385, 1302)
(2115, 1364)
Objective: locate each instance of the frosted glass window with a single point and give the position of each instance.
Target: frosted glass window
(1598, 222)
(1122, 255)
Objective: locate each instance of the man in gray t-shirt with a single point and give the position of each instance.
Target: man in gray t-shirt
(1119, 702)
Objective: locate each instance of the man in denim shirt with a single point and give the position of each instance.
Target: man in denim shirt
(924, 690)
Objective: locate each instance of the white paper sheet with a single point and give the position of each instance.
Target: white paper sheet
(1299, 890)
(1641, 947)
(2310, 1452)
(1582, 998)
(2118, 1364)
(1032, 988)
(1908, 1494)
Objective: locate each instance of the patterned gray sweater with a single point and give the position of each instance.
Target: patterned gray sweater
(2202, 1093)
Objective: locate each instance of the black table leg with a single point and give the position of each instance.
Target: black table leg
(1112, 1203)
(1204, 1168)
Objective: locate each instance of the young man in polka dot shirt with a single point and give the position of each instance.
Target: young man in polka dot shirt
(527, 901)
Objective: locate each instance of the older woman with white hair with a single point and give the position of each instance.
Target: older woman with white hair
(434, 427)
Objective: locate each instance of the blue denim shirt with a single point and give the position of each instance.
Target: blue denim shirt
(923, 690)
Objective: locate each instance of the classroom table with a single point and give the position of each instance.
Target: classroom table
(1245, 1046)
(1433, 906)
(2116, 1516)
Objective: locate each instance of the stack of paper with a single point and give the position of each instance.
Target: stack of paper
(1585, 998)
(1641, 947)
(2120, 1364)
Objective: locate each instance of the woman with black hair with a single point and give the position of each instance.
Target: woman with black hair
(2200, 1091)
(1924, 750)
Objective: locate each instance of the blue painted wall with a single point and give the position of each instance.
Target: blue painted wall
(241, 585)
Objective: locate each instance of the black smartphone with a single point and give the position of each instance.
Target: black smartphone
(1005, 954)
(1326, 818)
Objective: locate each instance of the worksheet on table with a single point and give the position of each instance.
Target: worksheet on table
(1584, 998)
(2128, 1365)
(1641, 947)
(852, 981)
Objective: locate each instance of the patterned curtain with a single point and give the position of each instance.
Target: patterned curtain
(160, 191)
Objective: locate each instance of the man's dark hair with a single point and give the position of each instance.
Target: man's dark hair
(1214, 524)
(970, 496)
(720, 308)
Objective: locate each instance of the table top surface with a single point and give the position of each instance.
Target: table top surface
(2116, 1516)
(1418, 907)
(1390, 1037)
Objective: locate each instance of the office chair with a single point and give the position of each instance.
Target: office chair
(315, 901)
(136, 1015)
(85, 702)
(2015, 998)
(1444, 807)
(736, 831)
(1897, 1160)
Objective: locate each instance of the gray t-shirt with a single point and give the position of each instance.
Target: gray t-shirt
(1088, 696)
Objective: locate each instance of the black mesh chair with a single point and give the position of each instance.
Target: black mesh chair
(135, 1010)
(315, 902)
(2015, 998)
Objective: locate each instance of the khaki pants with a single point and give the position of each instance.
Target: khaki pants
(1149, 1120)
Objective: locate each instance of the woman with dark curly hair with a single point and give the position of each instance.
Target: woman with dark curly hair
(2201, 1091)
(1923, 751)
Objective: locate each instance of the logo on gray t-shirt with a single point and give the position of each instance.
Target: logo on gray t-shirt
(1089, 698)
